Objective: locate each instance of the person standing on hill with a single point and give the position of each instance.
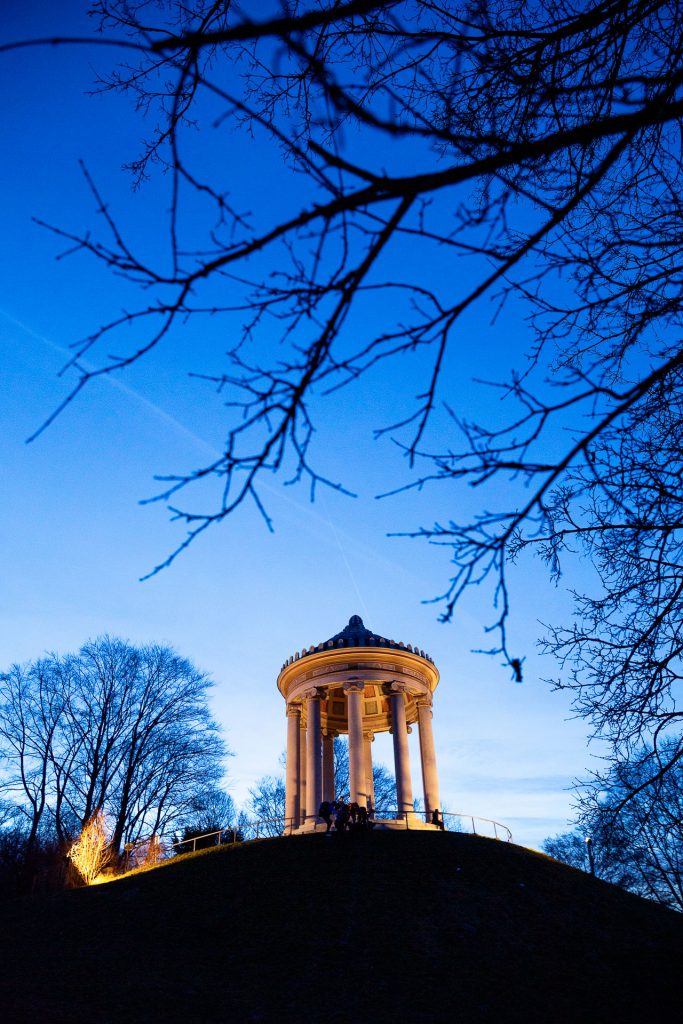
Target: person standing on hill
(342, 816)
(325, 812)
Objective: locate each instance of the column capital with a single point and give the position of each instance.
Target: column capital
(369, 736)
(293, 711)
(424, 703)
(353, 685)
(314, 693)
(393, 687)
(330, 732)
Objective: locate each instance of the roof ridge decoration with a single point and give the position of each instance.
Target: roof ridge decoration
(356, 634)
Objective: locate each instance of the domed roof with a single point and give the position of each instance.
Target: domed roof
(356, 634)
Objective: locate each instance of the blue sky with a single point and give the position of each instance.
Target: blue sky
(76, 540)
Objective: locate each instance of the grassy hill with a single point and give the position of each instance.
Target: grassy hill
(387, 927)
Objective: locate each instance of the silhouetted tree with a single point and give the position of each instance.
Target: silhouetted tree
(12, 846)
(384, 781)
(192, 839)
(116, 728)
(215, 809)
(266, 805)
(213, 817)
(32, 708)
(540, 142)
(634, 818)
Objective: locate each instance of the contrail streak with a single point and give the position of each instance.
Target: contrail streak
(324, 520)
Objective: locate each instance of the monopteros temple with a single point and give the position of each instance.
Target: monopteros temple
(356, 683)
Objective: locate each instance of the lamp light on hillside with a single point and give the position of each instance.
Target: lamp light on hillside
(589, 847)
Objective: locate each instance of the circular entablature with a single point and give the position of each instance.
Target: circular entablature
(358, 657)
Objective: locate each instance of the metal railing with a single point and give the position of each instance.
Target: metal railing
(486, 827)
(267, 828)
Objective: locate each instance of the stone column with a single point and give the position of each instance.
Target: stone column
(368, 739)
(302, 771)
(430, 778)
(293, 777)
(328, 765)
(399, 729)
(314, 764)
(357, 780)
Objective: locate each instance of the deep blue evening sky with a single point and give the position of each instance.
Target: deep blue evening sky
(75, 539)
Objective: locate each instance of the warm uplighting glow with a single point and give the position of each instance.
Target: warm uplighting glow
(91, 851)
(102, 879)
(149, 853)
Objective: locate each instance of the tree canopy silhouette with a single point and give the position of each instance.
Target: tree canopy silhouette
(115, 728)
(540, 143)
(633, 816)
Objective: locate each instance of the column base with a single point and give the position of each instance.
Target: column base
(308, 826)
(413, 822)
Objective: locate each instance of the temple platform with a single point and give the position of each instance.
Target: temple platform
(411, 823)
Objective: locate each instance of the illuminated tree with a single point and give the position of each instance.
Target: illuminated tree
(116, 727)
(92, 851)
(147, 853)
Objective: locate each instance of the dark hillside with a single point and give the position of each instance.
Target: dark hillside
(389, 927)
